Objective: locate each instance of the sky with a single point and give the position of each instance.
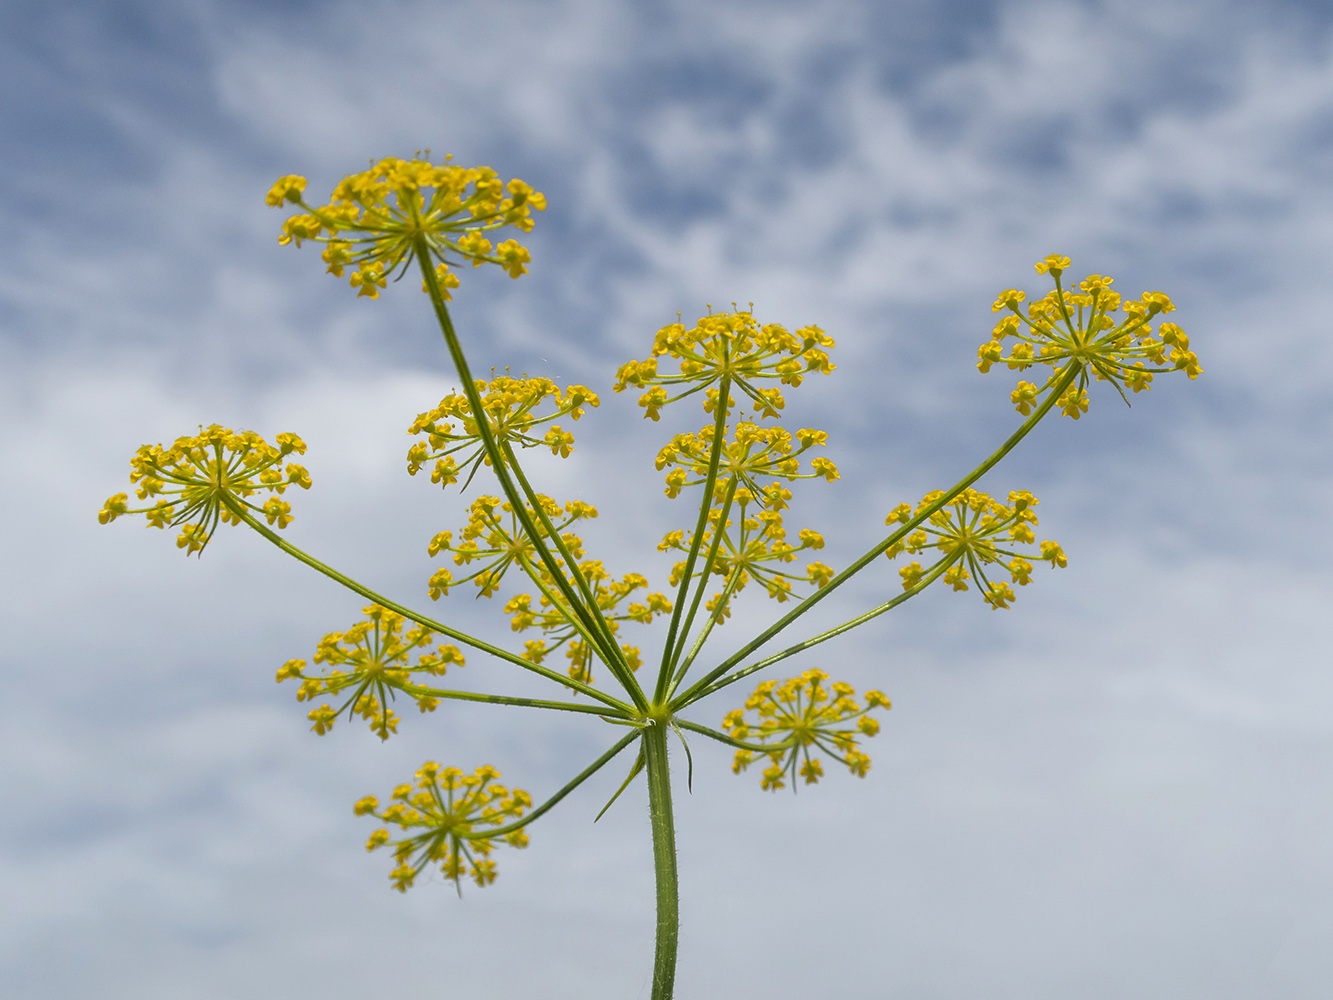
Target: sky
(1122, 786)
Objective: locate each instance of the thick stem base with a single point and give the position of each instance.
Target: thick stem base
(664, 860)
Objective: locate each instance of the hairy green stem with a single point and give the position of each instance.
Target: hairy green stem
(664, 860)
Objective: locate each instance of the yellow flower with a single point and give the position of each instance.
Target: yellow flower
(1053, 554)
(513, 407)
(973, 532)
(999, 596)
(1074, 402)
(290, 669)
(113, 508)
(753, 547)
(206, 480)
(1078, 328)
(513, 258)
(753, 454)
(278, 512)
(1024, 396)
(799, 714)
(368, 665)
(381, 219)
(1054, 263)
(369, 279)
(496, 542)
(911, 574)
(288, 189)
(452, 819)
(730, 344)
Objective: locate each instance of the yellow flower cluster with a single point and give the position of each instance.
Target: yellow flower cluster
(511, 406)
(752, 453)
(379, 220)
(733, 345)
(1078, 327)
(205, 480)
(451, 810)
(971, 532)
(558, 623)
(374, 661)
(757, 550)
(498, 546)
(798, 714)
(499, 543)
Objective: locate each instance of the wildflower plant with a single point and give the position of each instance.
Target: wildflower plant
(736, 474)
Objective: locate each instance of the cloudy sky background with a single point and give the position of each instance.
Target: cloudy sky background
(1121, 787)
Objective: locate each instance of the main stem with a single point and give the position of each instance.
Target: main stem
(664, 859)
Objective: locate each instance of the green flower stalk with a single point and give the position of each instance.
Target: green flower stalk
(737, 472)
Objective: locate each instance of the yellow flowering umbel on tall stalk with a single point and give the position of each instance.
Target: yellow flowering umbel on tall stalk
(738, 473)
(1080, 327)
(447, 807)
(378, 220)
(205, 480)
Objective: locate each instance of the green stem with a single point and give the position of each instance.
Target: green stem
(664, 860)
(925, 582)
(498, 461)
(550, 803)
(719, 533)
(731, 741)
(502, 699)
(557, 602)
(713, 619)
(620, 708)
(719, 442)
(605, 638)
(1070, 373)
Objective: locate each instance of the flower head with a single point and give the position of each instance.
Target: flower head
(734, 345)
(754, 546)
(207, 480)
(557, 622)
(371, 662)
(377, 221)
(757, 456)
(1079, 328)
(452, 819)
(493, 542)
(795, 715)
(972, 532)
(757, 460)
(515, 408)
(494, 539)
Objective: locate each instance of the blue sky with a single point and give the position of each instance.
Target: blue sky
(1121, 787)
